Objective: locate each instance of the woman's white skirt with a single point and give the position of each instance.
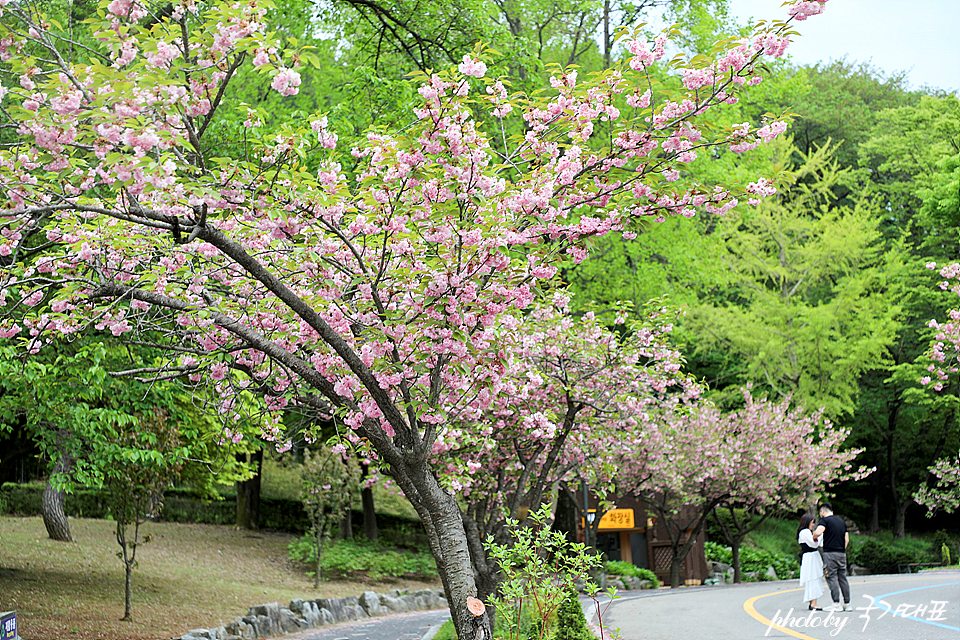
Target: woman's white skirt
(811, 576)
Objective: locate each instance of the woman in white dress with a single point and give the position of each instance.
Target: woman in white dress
(811, 564)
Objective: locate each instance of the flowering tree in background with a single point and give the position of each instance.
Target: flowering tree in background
(376, 299)
(571, 393)
(688, 461)
(945, 493)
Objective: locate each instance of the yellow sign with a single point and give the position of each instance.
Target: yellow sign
(614, 519)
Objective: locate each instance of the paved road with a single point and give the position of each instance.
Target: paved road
(401, 626)
(891, 607)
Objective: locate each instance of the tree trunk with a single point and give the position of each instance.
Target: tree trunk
(675, 563)
(874, 525)
(900, 519)
(51, 502)
(735, 550)
(54, 518)
(606, 34)
(346, 524)
(128, 594)
(440, 514)
(567, 515)
(248, 493)
(370, 530)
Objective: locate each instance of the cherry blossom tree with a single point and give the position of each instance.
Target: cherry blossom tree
(945, 352)
(375, 298)
(689, 460)
(570, 395)
(945, 493)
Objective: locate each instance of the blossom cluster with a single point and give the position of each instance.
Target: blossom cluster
(392, 298)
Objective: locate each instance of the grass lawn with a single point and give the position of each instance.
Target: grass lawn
(188, 576)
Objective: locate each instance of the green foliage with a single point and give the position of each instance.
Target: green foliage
(807, 308)
(354, 557)
(619, 568)
(880, 558)
(716, 552)
(755, 561)
(571, 623)
(945, 555)
(538, 570)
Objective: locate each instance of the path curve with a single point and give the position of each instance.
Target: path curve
(923, 606)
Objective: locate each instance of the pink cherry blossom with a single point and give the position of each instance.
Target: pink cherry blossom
(287, 82)
(472, 67)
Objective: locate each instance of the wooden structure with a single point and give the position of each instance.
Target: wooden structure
(633, 533)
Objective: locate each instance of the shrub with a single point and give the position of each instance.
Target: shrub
(755, 561)
(348, 558)
(717, 553)
(619, 568)
(880, 558)
(571, 623)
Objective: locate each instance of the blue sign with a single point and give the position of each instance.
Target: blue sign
(8, 626)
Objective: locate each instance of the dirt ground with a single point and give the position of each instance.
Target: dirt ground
(188, 576)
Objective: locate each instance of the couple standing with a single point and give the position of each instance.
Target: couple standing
(831, 536)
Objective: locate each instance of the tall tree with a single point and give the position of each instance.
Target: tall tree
(375, 301)
(807, 307)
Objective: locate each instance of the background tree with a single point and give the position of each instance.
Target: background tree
(328, 484)
(945, 492)
(687, 462)
(143, 464)
(808, 306)
(572, 391)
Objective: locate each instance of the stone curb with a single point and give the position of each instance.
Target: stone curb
(273, 619)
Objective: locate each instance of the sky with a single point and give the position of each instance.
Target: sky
(921, 37)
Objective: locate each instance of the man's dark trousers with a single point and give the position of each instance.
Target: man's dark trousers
(835, 569)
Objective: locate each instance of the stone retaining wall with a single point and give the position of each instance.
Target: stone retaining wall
(270, 620)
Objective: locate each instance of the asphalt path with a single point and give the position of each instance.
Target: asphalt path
(923, 606)
(399, 626)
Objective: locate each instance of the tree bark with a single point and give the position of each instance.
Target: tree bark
(735, 553)
(248, 494)
(370, 530)
(447, 536)
(51, 503)
(54, 518)
(346, 524)
(128, 594)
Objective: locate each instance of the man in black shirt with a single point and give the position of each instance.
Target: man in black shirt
(835, 541)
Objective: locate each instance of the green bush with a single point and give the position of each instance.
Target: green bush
(571, 623)
(717, 552)
(878, 557)
(755, 561)
(619, 568)
(348, 558)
